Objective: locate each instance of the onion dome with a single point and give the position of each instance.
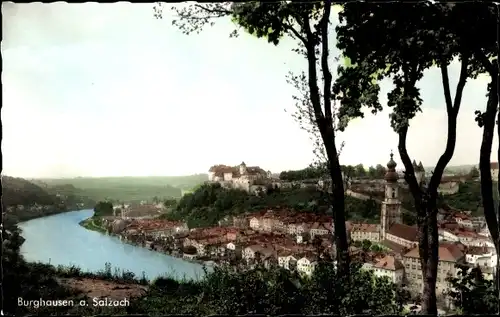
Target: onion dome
(391, 175)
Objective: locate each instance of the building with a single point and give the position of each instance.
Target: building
(481, 256)
(448, 188)
(307, 264)
(390, 267)
(494, 171)
(365, 231)
(403, 235)
(391, 206)
(450, 254)
(287, 260)
(419, 172)
(254, 223)
(247, 178)
(391, 232)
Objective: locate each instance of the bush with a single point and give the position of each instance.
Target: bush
(275, 291)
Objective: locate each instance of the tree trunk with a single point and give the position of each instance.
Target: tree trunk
(485, 172)
(429, 259)
(338, 203)
(485, 163)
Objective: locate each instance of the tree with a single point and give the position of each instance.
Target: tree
(472, 293)
(400, 42)
(381, 170)
(474, 172)
(308, 23)
(366, 245)
(103, 208)
(487, 54)
(170, 203)
(372, 172)
(360, 170)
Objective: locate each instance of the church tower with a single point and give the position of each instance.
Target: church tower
(243, 168)
(391, 206)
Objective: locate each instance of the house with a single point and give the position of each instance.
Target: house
(287, 260)
(254, 251)
(403, 235)
(450, 254)
(391, 267)
(267, 222)
(463, 220)
(484, 231)
(494, 171)
(447, 235)
(297, 228)
(307, 264)
(300, 238)
(320, 229)
(254, 223)
(472, 238)
(481, 256)
(448, 188)
(365, 231)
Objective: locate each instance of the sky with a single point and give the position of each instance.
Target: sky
(108, 90)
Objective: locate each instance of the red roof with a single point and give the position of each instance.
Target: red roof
(405, 232)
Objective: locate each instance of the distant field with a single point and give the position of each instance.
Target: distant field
(130, 188)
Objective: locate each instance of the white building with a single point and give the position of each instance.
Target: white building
(286, 260)
(306, 265)
(390, 267)
(254, 223)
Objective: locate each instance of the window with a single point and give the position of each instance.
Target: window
(393, 193)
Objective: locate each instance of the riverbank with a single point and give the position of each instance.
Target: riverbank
(22, 216)
(90, 224)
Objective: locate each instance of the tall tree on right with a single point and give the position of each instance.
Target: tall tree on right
(415, 37)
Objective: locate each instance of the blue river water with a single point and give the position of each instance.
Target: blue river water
(60, 240)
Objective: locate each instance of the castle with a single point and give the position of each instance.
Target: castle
(251, 178)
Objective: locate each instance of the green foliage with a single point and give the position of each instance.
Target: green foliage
(211, 203)
(474, 172)
(21, 280)
(471, 293)
(273, 291)
(18, 191)
(468, 198)
(103, 208)
(350, 171)
(311, 172)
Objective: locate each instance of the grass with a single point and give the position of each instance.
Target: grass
(91, 225)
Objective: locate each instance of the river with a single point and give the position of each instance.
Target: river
(60, 240)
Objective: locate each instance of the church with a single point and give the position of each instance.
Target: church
(391, 232)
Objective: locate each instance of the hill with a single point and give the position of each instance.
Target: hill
(210, 203)
(128, 188)
(18, 191)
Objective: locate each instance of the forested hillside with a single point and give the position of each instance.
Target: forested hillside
(18, 191)
(210, 203)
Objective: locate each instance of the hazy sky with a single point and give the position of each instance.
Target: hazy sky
(107, 90)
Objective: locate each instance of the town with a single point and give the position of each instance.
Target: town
(298, 240)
